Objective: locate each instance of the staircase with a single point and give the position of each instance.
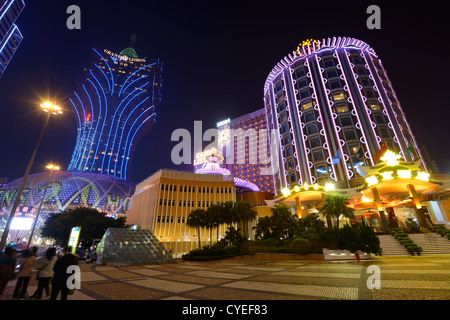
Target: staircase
(392, 247)
(431, 243)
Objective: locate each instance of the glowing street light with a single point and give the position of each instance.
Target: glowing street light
(50, 108)
(51, 167)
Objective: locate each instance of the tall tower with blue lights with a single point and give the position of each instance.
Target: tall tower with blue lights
(115, 104)
(10, 36)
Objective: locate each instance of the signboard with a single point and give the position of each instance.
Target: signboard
(73, 238)
(203, 157)
(224, 122)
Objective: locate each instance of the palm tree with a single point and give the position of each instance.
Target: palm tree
(263, 227)
(211, 220)
(229, 216)
(284, 222)
(335, 205)
(196, 219)
(244, 211)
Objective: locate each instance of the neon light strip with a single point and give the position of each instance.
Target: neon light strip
(112, 122)
(131, 142)
(90, 128)
(288, 111)
(275, 106)
(268, 133)
(19, 38)
(6, 10)
(82, 147)
(362, 98)
(110, 71)
(300, 128)
(118, 125)
(104, 74)
(366, 142)
(96, 128)
(9, 35)
(404, 118)
(123, 89)
(382, 101)
(79, 139)
(338, 139)
(317, 122)
(118, 158)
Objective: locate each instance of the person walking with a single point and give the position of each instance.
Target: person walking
(7, 267)
(59, 281)
(24, 275)
(45, 274)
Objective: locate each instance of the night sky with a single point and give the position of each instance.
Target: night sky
(217, 56)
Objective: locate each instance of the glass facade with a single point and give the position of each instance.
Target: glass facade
(334, 107)
(115, 104)
(125, 246)
(65, 190)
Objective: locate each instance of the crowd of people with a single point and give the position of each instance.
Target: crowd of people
(50, 269)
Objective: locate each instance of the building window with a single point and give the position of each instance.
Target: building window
(293, 177)
(309, 117)
(342, 109)
(314, 142)
(307, 106)
(318, 155)
(338, 96)
(346, 121)
(312, 129)
(349, 135)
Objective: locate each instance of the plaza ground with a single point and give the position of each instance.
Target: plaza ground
(424, 277)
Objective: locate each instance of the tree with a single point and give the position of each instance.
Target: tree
(335, 205)
(311, 227)
(263, 228)
(229, 216)
(93, 225)
(196, 219)
(283, 222)
(216, 217)
(244, 211)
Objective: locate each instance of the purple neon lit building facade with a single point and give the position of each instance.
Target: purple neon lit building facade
(10, 36)
(333, 106)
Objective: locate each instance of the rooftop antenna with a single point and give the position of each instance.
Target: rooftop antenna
(133, 40)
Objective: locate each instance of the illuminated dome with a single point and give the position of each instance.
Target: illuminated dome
(65, 190)
(213, 167)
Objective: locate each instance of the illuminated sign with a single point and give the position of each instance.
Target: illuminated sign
(202, 157)
(123, 58)
(20, 223)
(73, 238)
(224, 122)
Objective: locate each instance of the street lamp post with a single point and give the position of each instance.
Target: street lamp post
(50, 109)
(51, 167)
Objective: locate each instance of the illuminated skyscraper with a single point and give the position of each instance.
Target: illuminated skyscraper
(10, 36)
(115, 104)
(248, 137)
(333, 107)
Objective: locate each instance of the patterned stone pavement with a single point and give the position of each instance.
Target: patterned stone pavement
(401, 278)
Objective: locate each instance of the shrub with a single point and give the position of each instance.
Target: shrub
(301, 246)
(231, 250)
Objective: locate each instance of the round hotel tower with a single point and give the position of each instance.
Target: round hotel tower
(333, 107)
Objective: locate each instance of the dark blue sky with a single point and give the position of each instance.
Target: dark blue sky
(217, 55)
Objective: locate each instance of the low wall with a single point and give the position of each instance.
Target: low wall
(282, 256)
